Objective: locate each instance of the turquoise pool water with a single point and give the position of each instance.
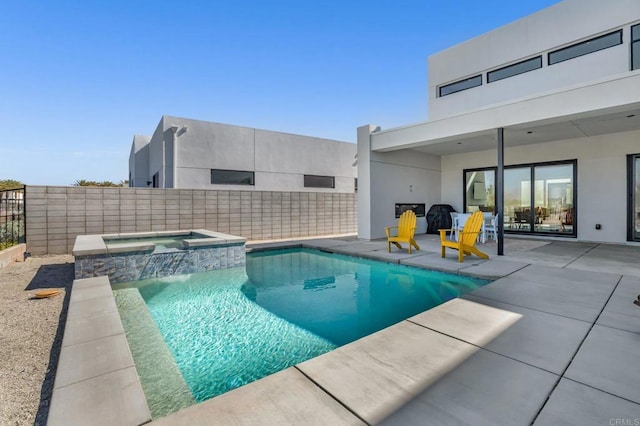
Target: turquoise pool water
(230, 327)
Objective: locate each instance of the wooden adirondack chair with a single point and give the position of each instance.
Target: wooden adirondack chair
(406, 229)
(467, 238)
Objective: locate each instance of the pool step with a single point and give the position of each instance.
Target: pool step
(163, 384)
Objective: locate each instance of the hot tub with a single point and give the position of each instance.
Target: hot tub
(136, 256)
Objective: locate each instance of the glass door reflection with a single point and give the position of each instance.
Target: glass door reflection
(517, 199)
(553, 199)
(480, 190)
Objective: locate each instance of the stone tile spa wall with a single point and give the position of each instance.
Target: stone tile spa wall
(133, 266)
(56, 214)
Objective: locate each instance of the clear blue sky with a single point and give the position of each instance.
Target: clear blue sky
(80, 78)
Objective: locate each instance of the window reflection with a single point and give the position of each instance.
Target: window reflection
(517, 199)
(480, 186)
(554, 198)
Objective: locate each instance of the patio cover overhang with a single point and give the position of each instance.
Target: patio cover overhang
(606, 106)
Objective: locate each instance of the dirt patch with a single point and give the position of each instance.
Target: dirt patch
(31, 335)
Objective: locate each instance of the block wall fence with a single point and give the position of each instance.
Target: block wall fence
(55, 215)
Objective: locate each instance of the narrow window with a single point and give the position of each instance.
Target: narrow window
(313, 181)
(232, 177)
(460, 85)
(635, 47)
(515, 69)
(586, 47)
(156, 180)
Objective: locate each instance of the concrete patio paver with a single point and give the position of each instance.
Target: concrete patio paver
(375, 376)
(540, 339)
(608, 360)
(559, 254)
(81, 293)
(615, 259)
(110, 399)
(620, 311)
(393, 257)
(573, 403)
(92, 359)
(326, 243)
(85, 329)
(358, 247)
(487, 389)
(284, 398)
(435, 262)
(92, 307)
(493, 270)
(571, 293)
(468, 321)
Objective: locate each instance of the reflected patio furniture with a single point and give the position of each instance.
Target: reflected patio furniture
(541, 215)
(406, 230)
(490, 226)
(468, 237)
(458, 224)
(566, 218)
(521, 217)
(454, 223)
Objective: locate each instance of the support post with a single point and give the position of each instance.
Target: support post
(500, 192)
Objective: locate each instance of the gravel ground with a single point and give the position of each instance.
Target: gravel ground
(30, 336)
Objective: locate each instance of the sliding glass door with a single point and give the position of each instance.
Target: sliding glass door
(554, 203)
(545, 207)
(633, 172)
(517, 199)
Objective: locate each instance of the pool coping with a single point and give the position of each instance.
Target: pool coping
(96, 378)
(90, 245)
(85, 376)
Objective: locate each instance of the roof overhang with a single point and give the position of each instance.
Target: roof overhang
(602, 107)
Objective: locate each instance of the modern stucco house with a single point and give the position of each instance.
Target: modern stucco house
(194, 154)
(553, 99)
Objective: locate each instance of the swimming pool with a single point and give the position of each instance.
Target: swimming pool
(227, 328)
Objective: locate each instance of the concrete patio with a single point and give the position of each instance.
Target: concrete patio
(554, 340)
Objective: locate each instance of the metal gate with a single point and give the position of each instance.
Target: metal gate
(12, 217)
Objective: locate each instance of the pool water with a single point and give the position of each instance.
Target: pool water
(227, 328)
(161, 242)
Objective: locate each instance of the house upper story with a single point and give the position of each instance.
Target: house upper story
(569, 44)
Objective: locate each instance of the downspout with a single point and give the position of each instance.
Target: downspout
(164, 163)
(175, 160)
(176, 131)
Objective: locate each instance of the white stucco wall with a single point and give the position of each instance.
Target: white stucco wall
(557, 26)
(279, 160)
(156, 153)
(406, 177)
(601, 186)
(139, 161)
